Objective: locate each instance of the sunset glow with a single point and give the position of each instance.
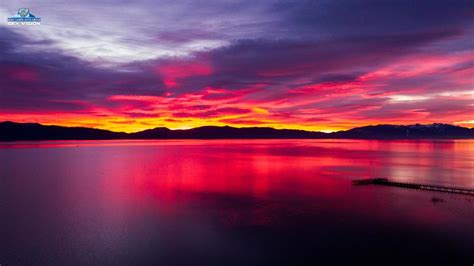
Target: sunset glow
(282, 65)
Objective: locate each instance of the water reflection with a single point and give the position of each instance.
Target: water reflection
(231, 202)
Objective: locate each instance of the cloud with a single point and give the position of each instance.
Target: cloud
(313, 65)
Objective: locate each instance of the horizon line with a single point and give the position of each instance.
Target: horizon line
(231, 126)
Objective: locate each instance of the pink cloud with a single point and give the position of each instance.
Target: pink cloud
(173, 72)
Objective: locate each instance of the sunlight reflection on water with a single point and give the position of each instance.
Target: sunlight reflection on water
(230, 201)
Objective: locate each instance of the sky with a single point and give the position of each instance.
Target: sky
(313, 65)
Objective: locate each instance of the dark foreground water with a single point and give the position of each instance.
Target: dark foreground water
(236, 202)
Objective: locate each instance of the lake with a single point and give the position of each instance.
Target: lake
(234, 202)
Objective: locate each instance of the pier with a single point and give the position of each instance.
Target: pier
(386, 182)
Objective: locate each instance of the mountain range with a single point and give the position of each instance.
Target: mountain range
(11, 131)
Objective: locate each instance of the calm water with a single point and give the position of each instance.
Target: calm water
(235, 202)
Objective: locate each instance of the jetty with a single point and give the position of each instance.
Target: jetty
(386, 182)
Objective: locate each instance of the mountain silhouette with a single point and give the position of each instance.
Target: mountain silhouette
(407, 132)
(10, 131)
(227, 132)
(31, 131)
